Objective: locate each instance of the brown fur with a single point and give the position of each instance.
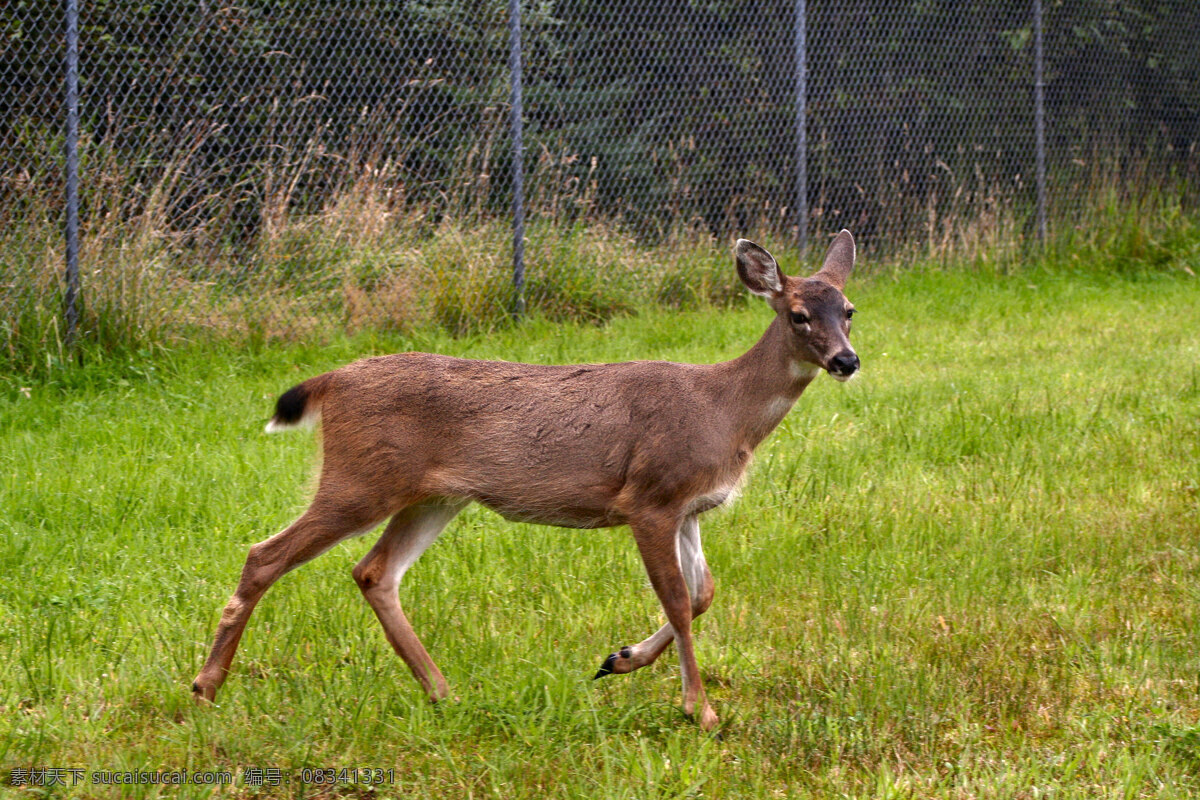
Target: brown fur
(648, 444)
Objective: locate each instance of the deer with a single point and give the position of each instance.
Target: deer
(413, 438)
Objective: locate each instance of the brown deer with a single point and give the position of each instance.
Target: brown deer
(649, 444)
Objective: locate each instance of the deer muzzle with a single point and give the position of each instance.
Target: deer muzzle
(843, 365)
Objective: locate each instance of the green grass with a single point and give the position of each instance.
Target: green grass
(972, 572)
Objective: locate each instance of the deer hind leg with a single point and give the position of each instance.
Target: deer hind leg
(324, 524)
(378, 576)
(659, 542)
(700, 589)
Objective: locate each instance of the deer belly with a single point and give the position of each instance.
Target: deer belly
(546, 499)
(561, 513)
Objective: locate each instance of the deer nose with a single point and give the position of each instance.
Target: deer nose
(844, 364)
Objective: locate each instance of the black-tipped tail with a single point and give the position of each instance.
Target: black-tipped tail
(289, 408)
(299, 405)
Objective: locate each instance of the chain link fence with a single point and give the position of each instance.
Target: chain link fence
(275, 168)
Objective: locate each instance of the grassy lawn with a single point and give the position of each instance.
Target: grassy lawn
(974, 571)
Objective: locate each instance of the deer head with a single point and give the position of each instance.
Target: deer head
(813, 310)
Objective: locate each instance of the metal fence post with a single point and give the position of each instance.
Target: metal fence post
(518, 189)
(1039, 119)
(801, 128)
(70, 303)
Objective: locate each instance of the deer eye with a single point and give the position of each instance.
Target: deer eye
(799, 318)
(850, 313)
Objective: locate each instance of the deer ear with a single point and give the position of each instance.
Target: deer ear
(758, 270)
(838, 261)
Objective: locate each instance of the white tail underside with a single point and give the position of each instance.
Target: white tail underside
(310, 419)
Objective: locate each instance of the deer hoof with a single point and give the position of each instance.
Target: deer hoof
(607, 667)
(617, 663)
(202, 695)
(708, 719)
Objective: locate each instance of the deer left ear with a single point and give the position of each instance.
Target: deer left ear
(838, 261)
(758, 270)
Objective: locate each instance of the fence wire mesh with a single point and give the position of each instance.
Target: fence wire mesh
(271, 168)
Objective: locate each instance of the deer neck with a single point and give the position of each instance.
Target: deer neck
(764, 383)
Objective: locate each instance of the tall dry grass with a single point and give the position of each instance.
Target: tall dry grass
(159, 266)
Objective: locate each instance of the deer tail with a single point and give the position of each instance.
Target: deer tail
(300, 406)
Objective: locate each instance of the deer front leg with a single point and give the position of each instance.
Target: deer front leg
(701, 588)
(658, 539)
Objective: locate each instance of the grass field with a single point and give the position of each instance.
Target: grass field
(972, 572)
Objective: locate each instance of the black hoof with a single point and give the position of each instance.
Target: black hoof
(606, 667)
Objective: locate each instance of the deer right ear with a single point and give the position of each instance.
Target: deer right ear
(758, 270)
